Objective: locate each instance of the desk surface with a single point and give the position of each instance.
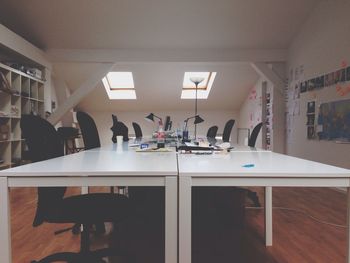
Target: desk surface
(107, 161)
(266, 164)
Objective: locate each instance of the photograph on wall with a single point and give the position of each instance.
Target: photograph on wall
(337, 76)
(348, 74)
(303, 87)
(310, 120)
(334, 117)
(311, 107)
(343, 75)
(311, 84)
(310, 132)
(329, 81)
(319, 83)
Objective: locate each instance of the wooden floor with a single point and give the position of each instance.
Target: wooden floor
(297, 238)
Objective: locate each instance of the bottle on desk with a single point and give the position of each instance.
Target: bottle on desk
(160, 136)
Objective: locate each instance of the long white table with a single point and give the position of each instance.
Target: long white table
(108, 166)
(269, 170)
(122, 166)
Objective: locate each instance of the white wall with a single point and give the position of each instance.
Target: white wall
(250, 112)
(321, 46)
(104, 122)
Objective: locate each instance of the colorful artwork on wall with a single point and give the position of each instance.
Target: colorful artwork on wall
(334, 120)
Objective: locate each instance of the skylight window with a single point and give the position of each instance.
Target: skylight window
(119, 86)
(189, 88)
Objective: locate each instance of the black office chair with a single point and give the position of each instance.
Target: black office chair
(91, 140)
(119, 129)
(137, 129)
(251, 143)
(44, 143)
(88, 130)
(212, 131)
(227, 130)
(254, 135)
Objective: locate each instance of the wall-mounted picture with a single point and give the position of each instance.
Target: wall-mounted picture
(337, 76)
(311, 107)
(311, 84)
(303, 87)
(329, 81)
(335, 120)
(310, 120)
(319, 83)
(343, 75)
(310, 132)
(348, 74)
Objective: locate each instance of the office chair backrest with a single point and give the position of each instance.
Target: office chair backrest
(227, 130)
(212, 131)
(137, 129)
(167, 123)
(43, 143)
(119, 128)
(88, 130)
(254, 135)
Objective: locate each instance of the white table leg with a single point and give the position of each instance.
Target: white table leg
(268, 216)
(5, 222)
(348, 230)
(185, 217)
(171, 219)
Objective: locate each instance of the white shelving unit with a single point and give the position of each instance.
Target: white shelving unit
(29, 98)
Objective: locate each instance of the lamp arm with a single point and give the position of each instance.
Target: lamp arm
(186, 121)
(157, 117)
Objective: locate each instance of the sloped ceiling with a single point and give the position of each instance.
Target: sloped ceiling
(158, 86)
(158, 24)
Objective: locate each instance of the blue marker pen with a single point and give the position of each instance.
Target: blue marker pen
(250, 165)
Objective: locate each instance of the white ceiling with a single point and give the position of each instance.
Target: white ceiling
(159, 25)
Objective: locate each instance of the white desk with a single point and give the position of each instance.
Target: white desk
(98, 167)
(270, 169)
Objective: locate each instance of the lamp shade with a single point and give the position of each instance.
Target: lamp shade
(196, 80)
(198, 119)
(150, 117)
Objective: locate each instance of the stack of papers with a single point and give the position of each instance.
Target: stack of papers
(155, 150)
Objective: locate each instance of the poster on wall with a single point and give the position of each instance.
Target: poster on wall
(334, 120)
(348, 74)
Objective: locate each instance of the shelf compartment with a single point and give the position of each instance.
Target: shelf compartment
(5, 154)
(16, 82)
(33, 89)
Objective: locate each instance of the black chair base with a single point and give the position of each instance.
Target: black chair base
(254, 197)
(82, 257)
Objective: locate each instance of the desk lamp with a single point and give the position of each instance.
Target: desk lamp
(197, 119)
(151, 116)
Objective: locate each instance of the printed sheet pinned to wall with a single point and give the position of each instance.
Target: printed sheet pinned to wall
(334, 121)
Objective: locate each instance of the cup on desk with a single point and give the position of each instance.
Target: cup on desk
(119, 140)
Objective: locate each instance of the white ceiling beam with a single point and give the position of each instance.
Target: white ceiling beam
(267, 73)
(62, 95)
(21, 46)
(166, 55)
(88, 86)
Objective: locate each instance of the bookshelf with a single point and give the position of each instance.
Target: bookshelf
(25, 96)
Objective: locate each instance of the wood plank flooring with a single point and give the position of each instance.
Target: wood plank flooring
(297, 238)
